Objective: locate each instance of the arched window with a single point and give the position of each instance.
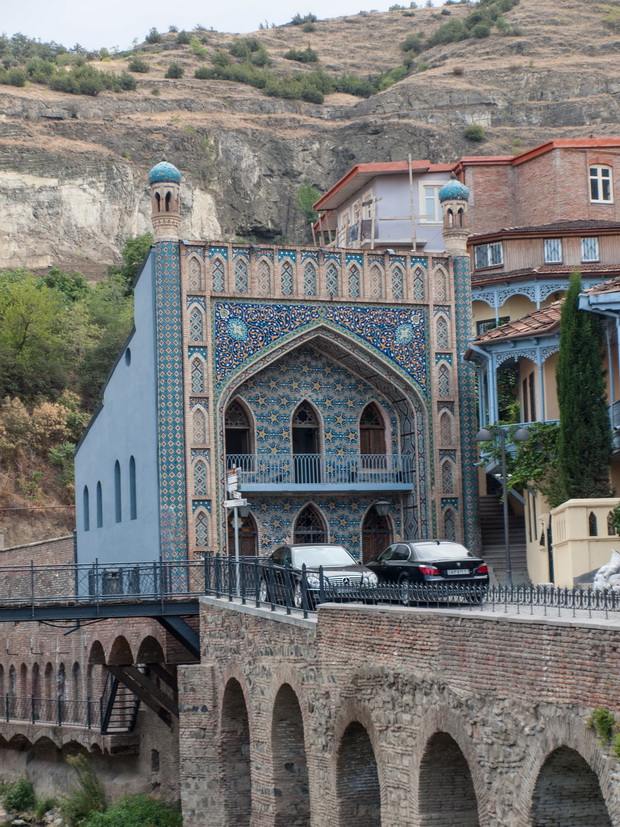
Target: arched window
(601, 184)
(309, 527)
(592, 525)
(460, 217)
(197, 375)
(376, 282)
(158, 201)
(372, 436)
(331, 280)
(99, 505)
(355, 281)
(418, 284)
(445, 428)
(195, 280)
(376, 535)
(218, 275)
(201, 481)
(199, 426)
(202, 530)
(86, 509)
(309, 279)
(248, 536)
(450, 217)
(118, 506)
(75, 682)
(286, 278)
(241, 276)
(398, 281)
(306, 444)
(443, 333)
(35, 691)
(264, 277)
(133, 493)
(447, 477)
(168, 200)
(196, 324)
(443, 381)
(449, 525)
(237, 427)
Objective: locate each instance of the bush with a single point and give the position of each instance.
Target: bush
(308, 27)
(298, 20)
(153, 36)
(126, 82)
(87, 797)
(183, 39)
(450, 32)
(220, 58)
(19, 796)
(175, 70)
(39, 70)
(481, 30)
(44, 806)
(14, 77)
(458, 71)
(423, 66)
(137, 811)
(603, 723)
(137, 64)
(198, 49)
(413, 43)
(474, 132)
(306, 55)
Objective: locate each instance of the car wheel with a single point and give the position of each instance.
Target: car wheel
(404, 591)
(263, 592)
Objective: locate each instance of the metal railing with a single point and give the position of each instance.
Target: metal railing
(327, 469)
(55, 711)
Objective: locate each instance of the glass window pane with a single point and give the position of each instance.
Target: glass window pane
(553, 250)
(589, 249)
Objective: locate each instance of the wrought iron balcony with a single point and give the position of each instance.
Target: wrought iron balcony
(323, 472)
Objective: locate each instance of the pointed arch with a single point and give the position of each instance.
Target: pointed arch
(201, 478)
(218, 274)
(133, 490)
(264, 276)
(286, 277)
(309, 526)
(235, 756)
(357, 778)
(444, 383)
(592, 524)
(195, 276)
(99, 505)
(440, 278)
(197, 375)
(118, 499)
(309, 279)
(418, 281)
(248, 535)
(458, 805)
(290, 765)
(85, 509)
(241, 275)
(398, 282)
(446, 431)
(372, 431)
(611, 529)
(449, 524)
(199, 425)
(202, 529)
(377, 533)
(332, 279)
(376, 282)
(196, 324)
(238, 428)
(306, 443)
(447, 477)
(354, 279)
(442, 332)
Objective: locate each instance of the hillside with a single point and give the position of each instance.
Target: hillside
(73, 168)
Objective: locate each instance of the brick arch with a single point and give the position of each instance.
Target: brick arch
(120, 653)
(457, 805)
(357, 778)
(150, 651)
(234, 749)
(290, 764)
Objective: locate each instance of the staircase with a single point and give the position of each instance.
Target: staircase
(119, 707)
(492, 526)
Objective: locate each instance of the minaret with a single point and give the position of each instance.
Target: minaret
(454, 197)
(165, 181)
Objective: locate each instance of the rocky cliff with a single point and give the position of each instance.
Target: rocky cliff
(73, 168)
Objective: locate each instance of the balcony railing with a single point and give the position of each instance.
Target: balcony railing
(272, 472)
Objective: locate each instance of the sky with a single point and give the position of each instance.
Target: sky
(118, 22)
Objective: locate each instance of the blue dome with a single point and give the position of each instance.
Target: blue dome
(453, 189)
(164, 172)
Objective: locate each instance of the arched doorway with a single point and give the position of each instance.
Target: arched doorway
(235, 756)
(568, 793)
(457, 805)
(305, 439)
(290, 766)
(376, 535)
(372, 437)
(248, 536)
(359, 792)
(237, 431)
(309, 527)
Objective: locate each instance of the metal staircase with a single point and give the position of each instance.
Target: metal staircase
(119, 707)
(493, 551)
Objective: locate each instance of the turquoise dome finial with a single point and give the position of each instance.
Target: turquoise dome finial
(164, 172)
(453, 190)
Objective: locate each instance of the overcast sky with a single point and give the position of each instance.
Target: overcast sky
(117, 22)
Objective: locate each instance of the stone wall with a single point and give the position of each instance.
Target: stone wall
(408, 718)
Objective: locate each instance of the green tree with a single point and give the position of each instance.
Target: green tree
(584, 449)
(307, 195)
(134, 252)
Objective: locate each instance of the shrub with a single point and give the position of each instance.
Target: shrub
(205, 73)
(244, 48)
(298, 20)
(308, 27)
(44, 806)
(481, 30)
(39, 70)
(126, 82)
(175, 70)
(474, 132)
(183, 39)
(13, 77)
(153, 36)
(306, 55)
(220, 58)
(198, 49)
(458, 71)
(387, 79)
(450, 32)
(19, 796)
(413, 43)
(137, 64)
(87, 797)
(423, 66)
(136, 811)
(260, 58)
(603, 723)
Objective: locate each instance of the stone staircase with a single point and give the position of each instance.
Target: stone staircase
(492, 529)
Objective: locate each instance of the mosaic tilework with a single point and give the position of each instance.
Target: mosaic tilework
(242, 330)
(196, 504)
(275, 518)
(287, 254)
(273, 394)
(170, 401)
(198, 300)
(467, 401)
(443, 357)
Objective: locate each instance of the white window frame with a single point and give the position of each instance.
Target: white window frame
(367, 205)
(599, 176)
(437, 212)
(591, 241)
(486, 255)
(549, 244)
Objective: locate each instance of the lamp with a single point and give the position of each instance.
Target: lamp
(520, 435)
(382, 507)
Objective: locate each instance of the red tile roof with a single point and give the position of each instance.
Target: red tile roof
(546, 271)
(543, 321)
(581, 226)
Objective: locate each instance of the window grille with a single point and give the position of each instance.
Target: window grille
(195, 275)
(264, 277)
(449, 525)
(553, 250)
(488, 255)
(447, 477)
(376, 282)
(589, 249)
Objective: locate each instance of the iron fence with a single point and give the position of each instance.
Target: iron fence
(56, 711)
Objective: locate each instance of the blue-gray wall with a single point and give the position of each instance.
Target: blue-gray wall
(125, 426)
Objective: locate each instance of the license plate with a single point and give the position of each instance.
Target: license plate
(457, 571)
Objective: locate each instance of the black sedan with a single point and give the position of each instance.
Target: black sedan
(281, 574)
(431, 563)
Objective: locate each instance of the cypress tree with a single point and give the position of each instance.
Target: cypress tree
(584, 449)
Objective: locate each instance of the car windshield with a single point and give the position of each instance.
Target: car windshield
(441, 551)
(322, 556)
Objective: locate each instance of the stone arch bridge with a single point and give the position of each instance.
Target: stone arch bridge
(401, 717)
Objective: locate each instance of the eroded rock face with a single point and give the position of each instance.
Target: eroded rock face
(73, 169)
